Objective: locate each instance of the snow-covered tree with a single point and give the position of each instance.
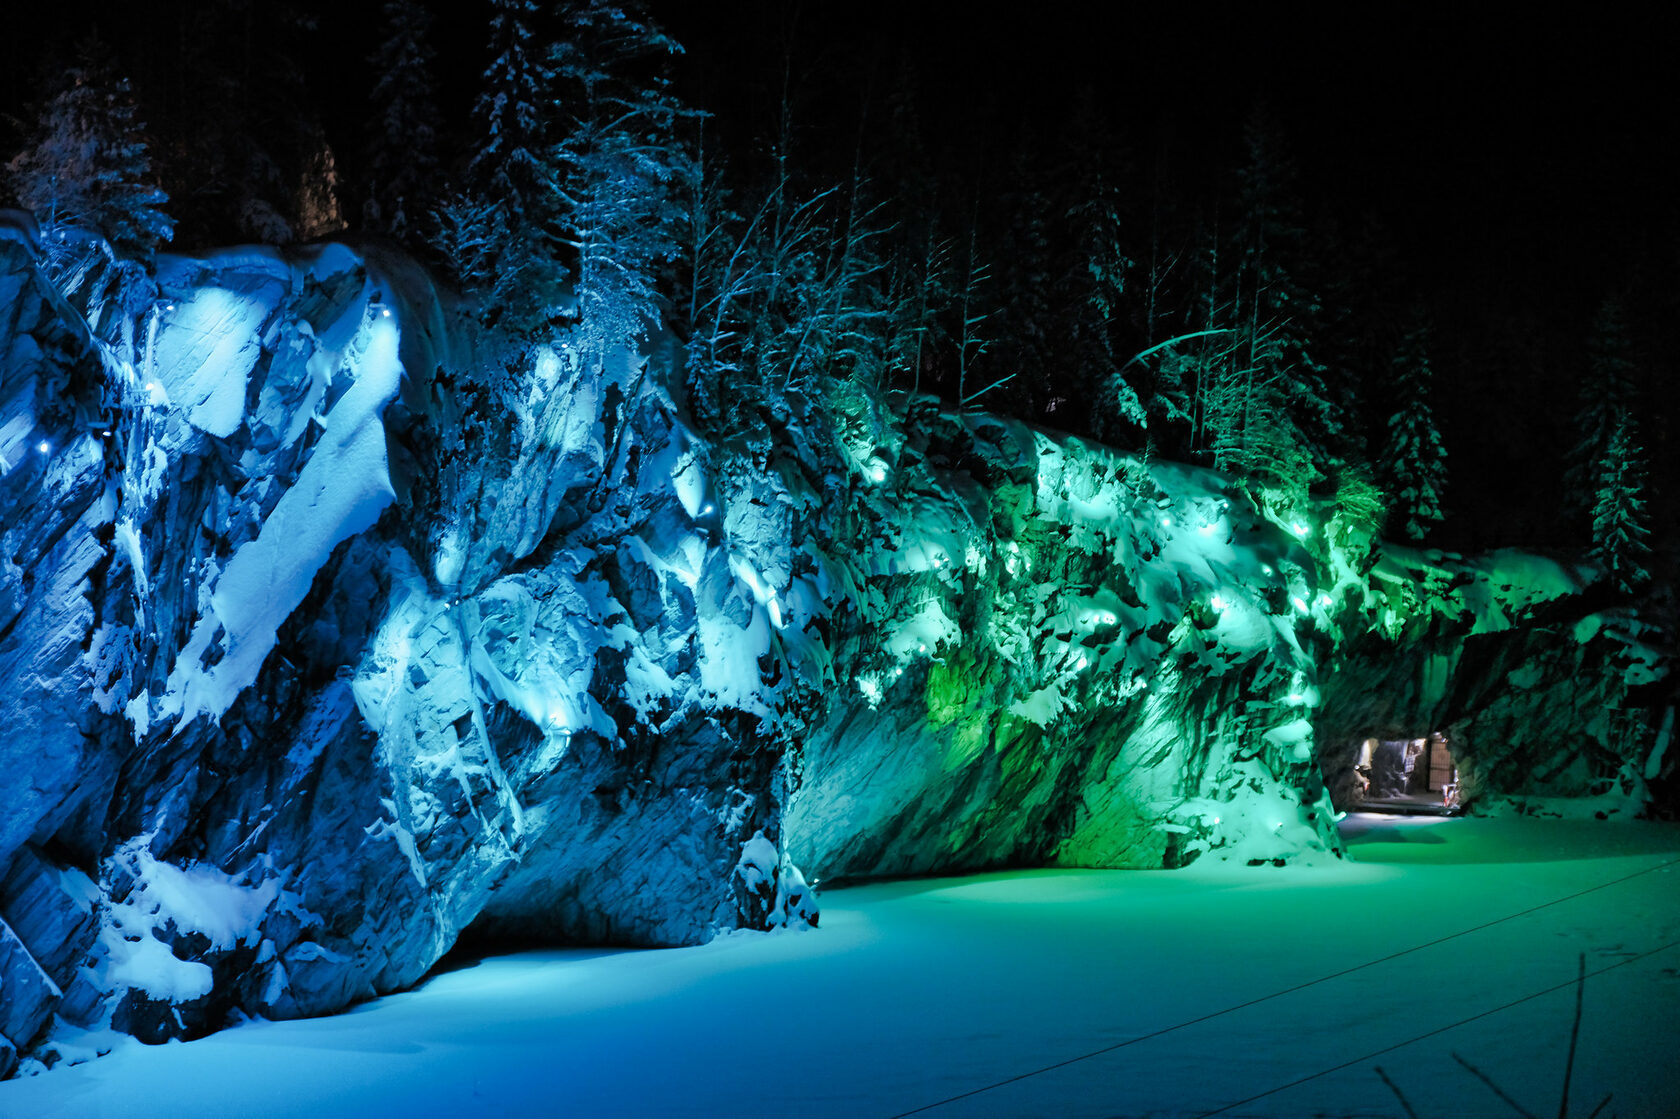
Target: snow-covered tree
(1024, 326)
(402, 159)
(1239, 412)
(1606, 394)
(973, 337)
(918, 284)
(918, 293)
(617, 164)
(510, 162)
(1621, 527)
(1415, 463)
(497, 236)
(86, 164)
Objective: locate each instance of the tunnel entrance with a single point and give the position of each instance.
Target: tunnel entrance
(1408, 775)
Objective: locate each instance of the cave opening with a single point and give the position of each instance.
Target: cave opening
(1413, 776)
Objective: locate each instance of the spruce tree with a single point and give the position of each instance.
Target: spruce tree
(403, 161)
(496, 235)
(509, 164)
(1415, 464)
(86, 166)
(1024, 327)
(1606, 393)
(1621, 527)
(1276, 311)
(919, 254)
(618, 170)
(1091, 292)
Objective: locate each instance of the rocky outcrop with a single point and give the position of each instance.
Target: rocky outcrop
(334, 629)
(324, 642)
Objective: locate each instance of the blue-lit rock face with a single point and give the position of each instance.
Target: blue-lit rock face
(332, 631)
(319, 647)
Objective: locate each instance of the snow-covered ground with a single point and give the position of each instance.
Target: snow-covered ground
(916, 992)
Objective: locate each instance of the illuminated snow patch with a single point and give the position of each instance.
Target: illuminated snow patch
(926, 629)
(341, 491)
(206, 352)
(689, 481)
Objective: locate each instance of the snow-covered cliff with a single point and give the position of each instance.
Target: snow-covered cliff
(331, 632)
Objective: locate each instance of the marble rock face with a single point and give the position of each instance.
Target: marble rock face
(335, 629)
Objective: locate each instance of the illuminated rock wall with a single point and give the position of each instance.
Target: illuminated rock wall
(1055, 654)
(325, 637)
(331, 631)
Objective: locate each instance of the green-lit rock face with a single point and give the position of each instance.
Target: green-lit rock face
(1051, 653)
(1058, 654)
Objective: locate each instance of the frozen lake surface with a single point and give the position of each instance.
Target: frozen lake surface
(1212, 990)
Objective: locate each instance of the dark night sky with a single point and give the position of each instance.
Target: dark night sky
(1521, 165)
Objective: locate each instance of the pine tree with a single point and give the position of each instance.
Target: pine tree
(86, 165)
(1415, 462)
(1606, 393)
(1621, 527)
(403, 162)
